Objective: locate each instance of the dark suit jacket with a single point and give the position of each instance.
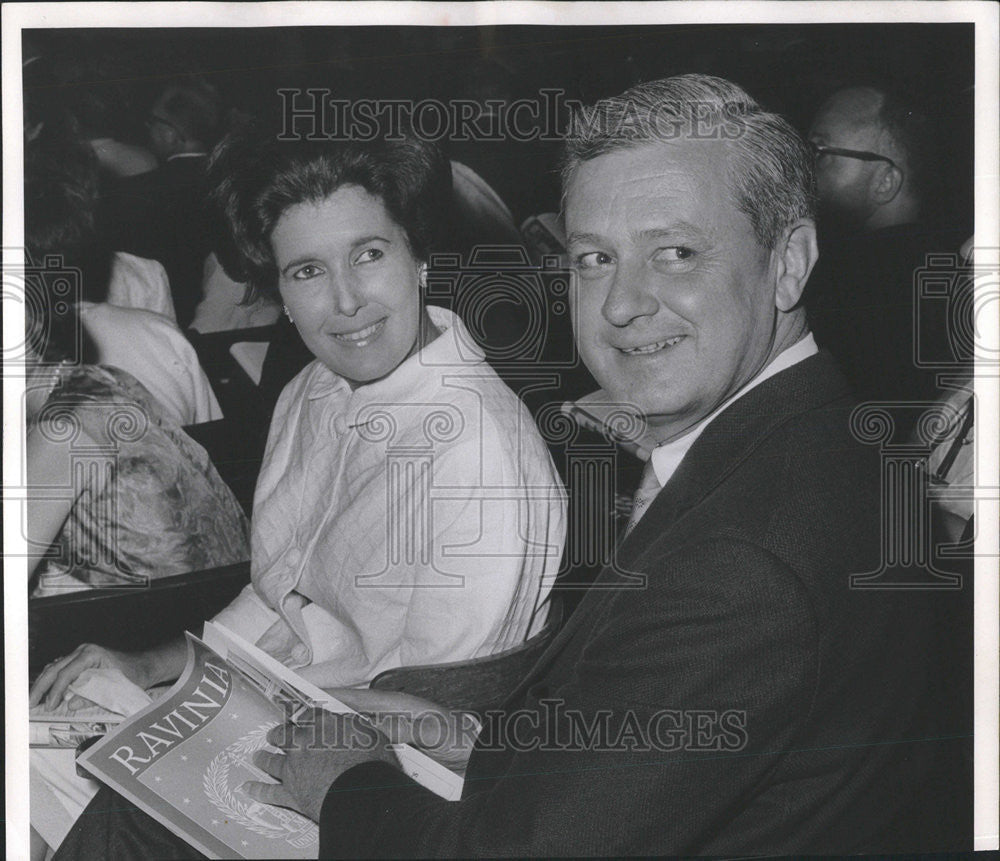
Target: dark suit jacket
(747, 700)
(160, 215)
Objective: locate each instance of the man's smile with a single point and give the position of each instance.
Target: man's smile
(654, 347)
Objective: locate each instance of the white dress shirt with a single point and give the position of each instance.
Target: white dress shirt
(136, 282)
(154, 351)
(418, 519)
(667, 456)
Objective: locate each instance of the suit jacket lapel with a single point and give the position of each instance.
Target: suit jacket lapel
(732, 437)
(728, 440)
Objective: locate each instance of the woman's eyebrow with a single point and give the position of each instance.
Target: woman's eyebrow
(298, 261)
(372, 238)
(309, 258)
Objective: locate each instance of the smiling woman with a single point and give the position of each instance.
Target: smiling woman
(347, 274)
(407, 511)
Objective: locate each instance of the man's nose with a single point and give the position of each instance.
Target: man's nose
(629, 296)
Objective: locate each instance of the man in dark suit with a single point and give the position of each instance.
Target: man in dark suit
(747, 699)
(724, 687)
(160, 215)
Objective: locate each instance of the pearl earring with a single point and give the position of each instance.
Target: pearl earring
(287, 314)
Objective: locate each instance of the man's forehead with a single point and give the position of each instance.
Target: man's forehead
(854, 110)
(655, 176)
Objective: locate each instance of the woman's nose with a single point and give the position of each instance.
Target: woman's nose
(347, 296)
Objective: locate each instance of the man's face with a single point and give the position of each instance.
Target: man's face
(675, 298)
(849, 120)
(163, 134)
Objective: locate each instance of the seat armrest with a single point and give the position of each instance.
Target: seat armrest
(129, 618)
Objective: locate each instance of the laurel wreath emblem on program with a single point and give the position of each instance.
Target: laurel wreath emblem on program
(265, 820)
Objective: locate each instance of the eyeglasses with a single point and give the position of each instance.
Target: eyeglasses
(862, 155)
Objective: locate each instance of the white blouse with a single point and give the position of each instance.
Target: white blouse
(418, 519)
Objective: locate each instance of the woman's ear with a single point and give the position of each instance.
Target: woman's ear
(422, 276)
(797, 254)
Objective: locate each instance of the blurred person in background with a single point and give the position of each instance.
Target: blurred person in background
(876, 175)
(160, 215)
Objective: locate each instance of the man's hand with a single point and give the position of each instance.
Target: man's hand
(314, 753)
(446, 735)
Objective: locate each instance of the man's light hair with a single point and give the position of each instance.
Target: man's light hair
(771, 169)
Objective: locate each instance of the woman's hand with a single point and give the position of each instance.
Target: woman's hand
(446, 735)
(53, 683)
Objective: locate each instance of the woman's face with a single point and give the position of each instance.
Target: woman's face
(350, 283)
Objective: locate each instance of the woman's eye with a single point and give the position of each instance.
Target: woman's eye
(306, 272)
(673, 254)
(593, 259)
(369, 255)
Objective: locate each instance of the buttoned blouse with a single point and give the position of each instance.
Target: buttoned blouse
(417, 519)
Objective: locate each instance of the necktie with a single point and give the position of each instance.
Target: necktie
(648, 488)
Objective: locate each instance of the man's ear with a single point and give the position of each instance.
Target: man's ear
(172, 140)
(886, 183)
(796, 255)
(422, 276)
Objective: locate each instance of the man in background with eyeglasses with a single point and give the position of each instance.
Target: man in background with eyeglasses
(865, 171)
(880, 183)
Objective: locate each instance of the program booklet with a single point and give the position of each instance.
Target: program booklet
(184, 758)
(64, 728)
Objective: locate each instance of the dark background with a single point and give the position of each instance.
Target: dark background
(789, 68)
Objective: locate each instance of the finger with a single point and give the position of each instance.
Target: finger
(268, 793)
(281, 735)
(66, 675)
(78, 702)
(272, 763)
(378, 701)
(43, 683)
(47, 676)
(392, 712)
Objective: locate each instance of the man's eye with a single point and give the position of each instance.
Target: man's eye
(673, 254)
(369, 255)
(306, 272)
(593, 259)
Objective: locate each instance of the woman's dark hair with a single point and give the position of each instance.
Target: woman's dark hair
(66, 258)
(254, 177)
